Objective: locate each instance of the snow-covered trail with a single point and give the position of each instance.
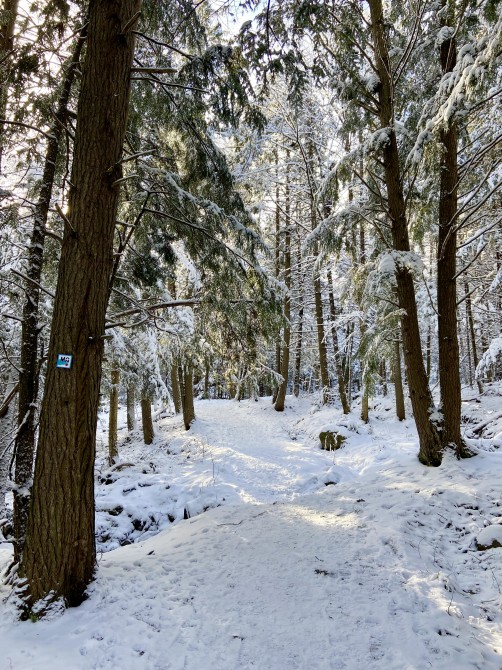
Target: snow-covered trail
(376, 572)
(264, 452)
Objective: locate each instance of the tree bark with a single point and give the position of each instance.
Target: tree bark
(430, 452)
(286, 342)
(398, 383)
(59, 557)
(175, 384)
(186, 387)
(336, 349)
(30, 329)
(448, 348)
(298, 352)
(131, 407)
(470, 319)
(146, 418)
(113, 416)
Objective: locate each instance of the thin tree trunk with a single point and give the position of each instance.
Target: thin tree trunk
(278, 365)
(30, 329)
(186, 387)
(113, 416)
(449, 359)
(281, 394)
(430, 452)
(299, 326)
(298, 352)
(146, 418)
(131, 407)
(206, 380)
(59, 556)
(383, 376)
(176, 388)
(336, 349)
(470, 319)
(398, 382)
(428, 352)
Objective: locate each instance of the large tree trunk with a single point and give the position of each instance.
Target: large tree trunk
(430, 452)
(28, 378)
(449, 361)
(59, 555)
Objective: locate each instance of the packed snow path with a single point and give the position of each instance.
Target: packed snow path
(377, 571)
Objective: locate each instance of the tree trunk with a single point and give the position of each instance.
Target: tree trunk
(470, 319)
(146, 418)
(449, 359)
(281, 394)
(430, 452)
(175, 383)
(131, 407)
(398, 383)
(59, 556)
(336, 348)
(186, 387)
(298, 352)
(277, 268)
(113, 416)
(299, 324)
(383, 377)
(28, 378)
(206, 380)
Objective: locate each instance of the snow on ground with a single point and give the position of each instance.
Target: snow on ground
(304, 560)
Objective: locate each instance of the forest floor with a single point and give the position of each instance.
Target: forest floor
(241, 545)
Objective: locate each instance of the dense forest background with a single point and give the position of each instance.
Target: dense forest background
(235, 200)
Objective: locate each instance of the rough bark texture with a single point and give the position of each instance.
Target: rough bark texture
(448, 348)
(28, 378)
(430, 452)
(146, 418)
(113, 416)
(59, 554)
